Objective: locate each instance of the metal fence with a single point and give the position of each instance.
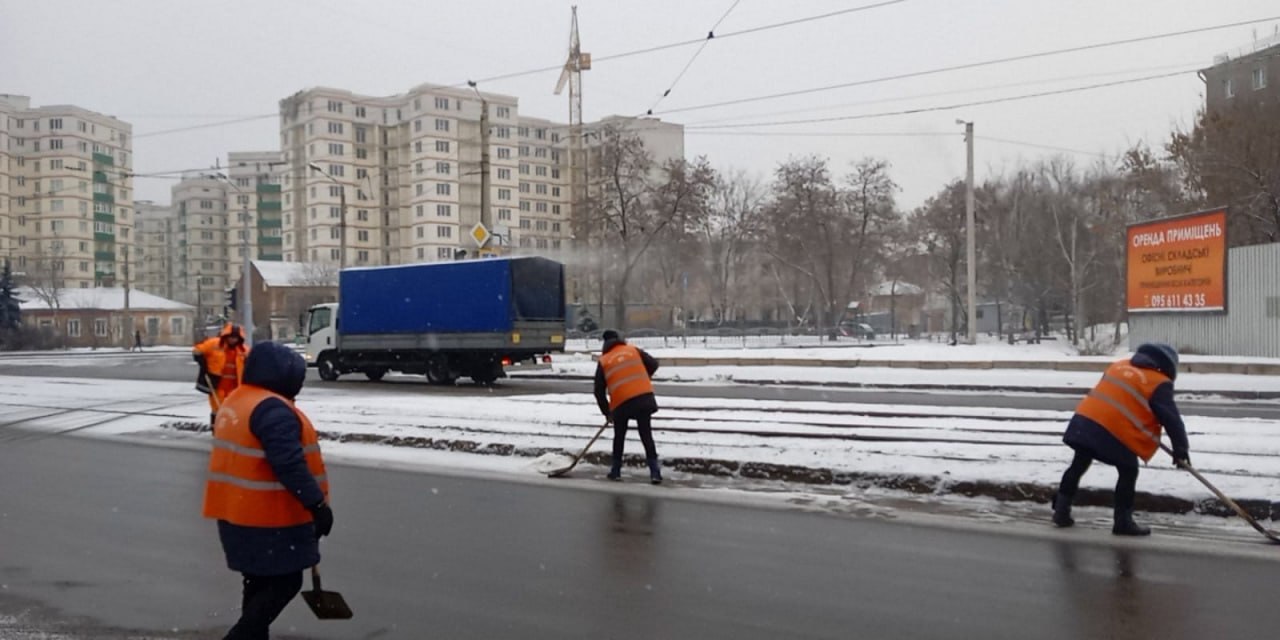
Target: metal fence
(755, 338)
(1251, 326)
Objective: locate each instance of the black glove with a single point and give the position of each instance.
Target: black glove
(323, 516)
(1181, 458)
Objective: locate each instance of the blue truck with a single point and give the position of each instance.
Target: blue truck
(444, 320)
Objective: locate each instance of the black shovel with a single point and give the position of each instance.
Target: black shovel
(327, 605)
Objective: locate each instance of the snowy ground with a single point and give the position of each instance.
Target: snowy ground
(948, 444)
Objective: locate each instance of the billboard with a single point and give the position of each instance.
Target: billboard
(1178, 264)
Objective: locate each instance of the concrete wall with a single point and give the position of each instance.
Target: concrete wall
(1251, 326)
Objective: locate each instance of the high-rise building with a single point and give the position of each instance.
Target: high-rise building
(65, 201)
(255, 208)
(153, 258)
(201, 261)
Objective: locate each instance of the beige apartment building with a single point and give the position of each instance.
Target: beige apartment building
(65, 193)
(153, 259)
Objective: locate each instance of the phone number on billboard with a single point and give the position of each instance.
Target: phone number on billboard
(1184, 301)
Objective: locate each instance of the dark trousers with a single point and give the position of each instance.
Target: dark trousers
(643, 425)
(264, 598)
(1126, 482)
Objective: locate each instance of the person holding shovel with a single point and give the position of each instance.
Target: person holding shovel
(267, 487)
(624, 392)
(221, 361)
(1118, 422)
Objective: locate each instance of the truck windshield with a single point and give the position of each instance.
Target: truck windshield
(319, 319)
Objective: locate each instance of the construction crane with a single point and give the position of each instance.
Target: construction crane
(571, 75)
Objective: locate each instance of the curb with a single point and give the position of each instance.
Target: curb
(1261, 509)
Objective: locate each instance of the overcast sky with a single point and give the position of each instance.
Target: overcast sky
(164, 64)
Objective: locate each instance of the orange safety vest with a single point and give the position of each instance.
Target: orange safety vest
(625, 375)
(241, 487)
(217, 362)
(1121, 404)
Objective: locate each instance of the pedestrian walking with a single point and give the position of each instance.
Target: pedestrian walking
(137, 340)
(221, 361)
(1118, 422)
(267, 487)
(624, 392)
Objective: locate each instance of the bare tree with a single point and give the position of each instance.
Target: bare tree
(1232, 157)
(311, 284)
(725, 234)
(45, 279)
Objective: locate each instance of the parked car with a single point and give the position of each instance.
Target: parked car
(857, 330)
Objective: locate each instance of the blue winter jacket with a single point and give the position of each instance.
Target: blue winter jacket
(270, 551)
(1089, 437)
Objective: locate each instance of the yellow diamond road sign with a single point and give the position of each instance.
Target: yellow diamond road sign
(480, 234)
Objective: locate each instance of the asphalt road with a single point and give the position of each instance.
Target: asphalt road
(100, 537)
(177, 366)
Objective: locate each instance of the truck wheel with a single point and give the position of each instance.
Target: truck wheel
(375, 374)
(439, 372)
(486, 378)
(328, 368)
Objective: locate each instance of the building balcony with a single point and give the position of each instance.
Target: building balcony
(100, 177)
(265, 254)
(104, 158)
(269, 205)
(269, 223)
(104, 197)
(104, 256)
(266, 187)
(271, 241)
(104, 217)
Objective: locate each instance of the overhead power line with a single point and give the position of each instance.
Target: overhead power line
(207, 125)
(710, 35)
(959, 105)
(896, 134)
(970, 65)
(686, 43)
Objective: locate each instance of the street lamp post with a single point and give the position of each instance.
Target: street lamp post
(246, 295)
(342, 220)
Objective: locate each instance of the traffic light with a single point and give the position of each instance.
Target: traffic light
(231, 299)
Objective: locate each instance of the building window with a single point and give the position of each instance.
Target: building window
(555, 208)
(335, 127)
(444, 253)
(444, 232)
(362, 215)
(442, 146)
(73, 325)
(503, 132)
(541, 207)
(362, 256)
(335, 254)
(360, 112)
(176, 326)
(443, 210)
(362, 153)
(504, 174)
(504, 194)
(504, 153)
(335, 149)
(442, 104)
(504, 214)
(555, 227)
(335, 212)
(443, 189)
(335, 106)
(524, 223)
(541, 171)
(524, 187)
(1228, 88)
(442, 168)
(362, 236)
(55, 123)
(337, 170)
(504, 112)
(442, 124)
(1259, 81)
(55, 143)
(541, 225)
(540, 189)
(421, 254)
(524, 205)
(417, 125)
(100, 327)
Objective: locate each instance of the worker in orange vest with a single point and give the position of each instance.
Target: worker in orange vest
(624, 392)
(1118, 422)
(267, 486)
(221, 361)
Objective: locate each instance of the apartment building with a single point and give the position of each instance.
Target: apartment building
(255, 208)
(201, 260)
(153, 259)
(544, 187)
(1249, 75)
(65, 193)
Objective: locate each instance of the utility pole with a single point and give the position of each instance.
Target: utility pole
(246, 296)
(485, 214)
(199, 328)
(971, 249)
(342, 221)
(128, 316)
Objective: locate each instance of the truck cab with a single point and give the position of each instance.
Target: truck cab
(322, 334)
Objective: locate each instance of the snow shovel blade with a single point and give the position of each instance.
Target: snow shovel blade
(578, 458)
(1244, 515)
(327, 605)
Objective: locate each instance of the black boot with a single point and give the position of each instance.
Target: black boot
(1062, 510)
(615, 470)
(1125, 526)
(655, 470)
